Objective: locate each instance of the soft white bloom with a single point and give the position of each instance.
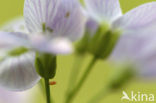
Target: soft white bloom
(106, 21)
(16, 24)
(16, 72)
(52, 25)
(51, 19)
(103, 10)
(138, 51)
(138, 20)
(136, 45)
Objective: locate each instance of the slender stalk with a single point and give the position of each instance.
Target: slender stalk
(47, 88)
(74, 92)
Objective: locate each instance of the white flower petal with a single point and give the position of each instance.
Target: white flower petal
(139, 18)
(18, 73)
(70, 20)
(15, 25)
(91, 26)
(54, 46)
(37, 12)
(134, 46)
(139, 50)
(62, 18)
(61, 46)
(104, 10)
(10, 39)
(14, 97)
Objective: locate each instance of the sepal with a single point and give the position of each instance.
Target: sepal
(46, 65)
(103, 43)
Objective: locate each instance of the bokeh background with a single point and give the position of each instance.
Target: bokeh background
(9, 9)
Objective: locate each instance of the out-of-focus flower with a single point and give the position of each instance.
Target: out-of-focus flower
(108, 15)
(49, 22)
(61, 21)
(109, 12)
(136, 45)
(17, 72)
(138, 52)
(103, 11)
(52, 25)
(17, 24)
(14, 97)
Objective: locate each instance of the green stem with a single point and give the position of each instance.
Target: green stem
(73, 93)
(47, 88)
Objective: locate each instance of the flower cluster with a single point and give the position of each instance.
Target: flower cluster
(51, 27)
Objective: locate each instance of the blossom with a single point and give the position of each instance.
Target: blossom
(137, 51)
(108, 15)
(19, 27)
(17, 72)
(52, 26)
(136, 45)
(109, 11)
(103, 10)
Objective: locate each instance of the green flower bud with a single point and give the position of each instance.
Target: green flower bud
(46, 65)
(108, 44)
(82, 45)
(103, 43)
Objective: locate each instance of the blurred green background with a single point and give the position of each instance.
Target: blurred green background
(12, 8)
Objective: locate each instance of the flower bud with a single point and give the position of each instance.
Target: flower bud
(46, 65)
(103, 43)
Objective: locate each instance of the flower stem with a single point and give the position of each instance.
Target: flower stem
(74, 92)
(47, 88)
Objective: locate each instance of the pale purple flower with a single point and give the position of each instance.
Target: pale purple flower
(52, 26)
(16, 24)
(61, 19)
(137, 41)
(138, 51)
(103, 10)
(16, 72)
(108, 12)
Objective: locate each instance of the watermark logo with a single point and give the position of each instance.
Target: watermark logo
(137, 96)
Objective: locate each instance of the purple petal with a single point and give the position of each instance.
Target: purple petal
(18, 73)
(10, 40)
(104, 10)
(37, 12)
(62, 18)
(14, 97)
(138, 50)
(54, 46)
(140, 18)
(15, 25)
(91, 26)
